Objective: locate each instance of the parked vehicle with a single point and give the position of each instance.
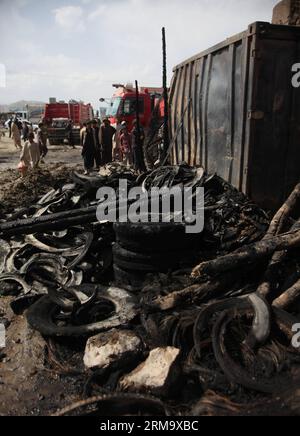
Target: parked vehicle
(57, 116)
(123, 105)
(57, 132)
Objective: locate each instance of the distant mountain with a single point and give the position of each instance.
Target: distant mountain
(19, 105)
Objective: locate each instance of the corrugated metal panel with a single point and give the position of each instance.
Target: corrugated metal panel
(243, 114)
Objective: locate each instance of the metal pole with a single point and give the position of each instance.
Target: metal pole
(165, 94)
(140, 164)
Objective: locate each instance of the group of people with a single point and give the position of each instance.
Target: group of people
(97, 144)
(19, 130)
(35, 146)
(15, 132)
(102, 144)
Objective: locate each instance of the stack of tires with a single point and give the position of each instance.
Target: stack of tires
(151, 248)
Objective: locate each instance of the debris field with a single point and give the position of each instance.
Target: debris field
(145, 319)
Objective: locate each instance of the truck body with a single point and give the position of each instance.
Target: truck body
(123, 105)
(57, 114)
(241, 112)
(35, 113)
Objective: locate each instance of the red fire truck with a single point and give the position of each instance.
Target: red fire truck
(58, 114)
(123, 105)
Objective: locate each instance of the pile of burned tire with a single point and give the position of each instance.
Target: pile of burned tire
(151, 248)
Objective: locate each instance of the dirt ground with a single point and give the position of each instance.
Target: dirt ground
(27, 386)
(16, 192)
(9, 156)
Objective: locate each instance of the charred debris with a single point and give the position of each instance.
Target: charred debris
(163, 323)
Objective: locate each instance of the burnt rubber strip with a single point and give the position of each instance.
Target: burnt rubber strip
(208, 311)
(129, 403)
(41, 315)
(88, 237)
(261, 326)
(233, 371)
(16, 278)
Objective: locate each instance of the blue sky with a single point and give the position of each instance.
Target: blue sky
(78, 48)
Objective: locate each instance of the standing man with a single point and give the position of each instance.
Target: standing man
(30, 155)
(106, 135)
(82, 133)
(89, 148)
(2, 132)
(117, 154)
(42, 138)
(16, 134)
(138, 139)
(9, 126)
(69, 133)
(98, 154)
(125, 146)
(25, 131)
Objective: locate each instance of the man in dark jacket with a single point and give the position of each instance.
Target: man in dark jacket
(89, 148)
(25, 131)
(42, 139)
(69, 134)
(98, 155)
(138, 139)
(107, 133)
(9, 126)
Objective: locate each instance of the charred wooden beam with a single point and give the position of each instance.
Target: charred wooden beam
(284, 213)
(253, 253)
(288, 298)
(46, 223)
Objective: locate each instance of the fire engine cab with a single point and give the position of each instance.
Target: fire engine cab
(123, 105)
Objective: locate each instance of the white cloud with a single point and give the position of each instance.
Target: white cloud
(70, 18)
(78, 51)
(98, 12)
(2, 76)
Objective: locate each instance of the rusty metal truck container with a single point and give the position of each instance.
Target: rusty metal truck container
(235, 112)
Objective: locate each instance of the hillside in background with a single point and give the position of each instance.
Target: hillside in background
(19, 105)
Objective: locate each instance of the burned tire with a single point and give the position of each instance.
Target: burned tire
(143, 249)
(152, 262)
(130, 266)
(41, 316)
(163, 237)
